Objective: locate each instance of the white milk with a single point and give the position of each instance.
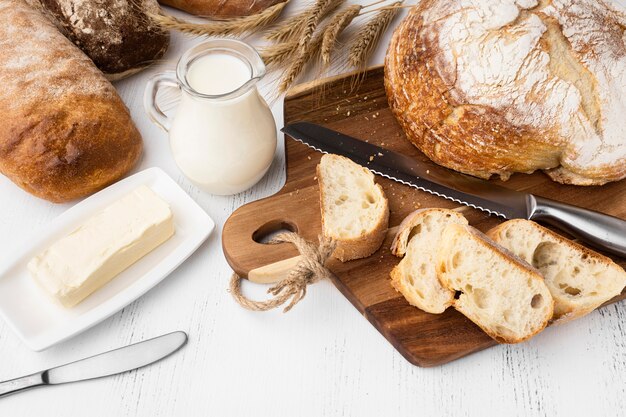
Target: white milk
(224, 145)
(218, 73)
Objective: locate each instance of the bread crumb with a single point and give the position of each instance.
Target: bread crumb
(348, 113)
(380, 154)
(371, 158)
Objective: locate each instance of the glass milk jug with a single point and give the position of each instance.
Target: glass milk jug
(223, 134)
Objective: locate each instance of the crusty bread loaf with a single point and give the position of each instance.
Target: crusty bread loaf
(493, 87)
(502, 294)
(117, 35)
(417, 241)
(65, 131)
(579, 279)
(354, 208)
(221, 8)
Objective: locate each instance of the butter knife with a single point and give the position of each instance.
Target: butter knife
(104, 364)
(600, 230)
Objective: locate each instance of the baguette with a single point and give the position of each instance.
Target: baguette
(579, 279)
(354, 208)
(502, 294)
(415, 276)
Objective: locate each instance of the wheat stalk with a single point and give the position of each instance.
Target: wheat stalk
(278, 53)
(293, 71)
(336, 26)
(294, 28)
(368, 36)
(234, 26)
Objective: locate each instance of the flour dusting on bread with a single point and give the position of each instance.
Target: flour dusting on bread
(526, 84)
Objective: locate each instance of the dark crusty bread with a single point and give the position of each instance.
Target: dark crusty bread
(117, 35)
(221, 8)
(65, 132)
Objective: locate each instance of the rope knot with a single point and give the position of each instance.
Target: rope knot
(310, 269)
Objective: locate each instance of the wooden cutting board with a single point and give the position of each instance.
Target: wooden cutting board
(423, 339)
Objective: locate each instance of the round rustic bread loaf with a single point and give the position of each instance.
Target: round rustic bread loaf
(502, 86)
(221, 8)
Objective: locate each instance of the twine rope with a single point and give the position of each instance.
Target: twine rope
(309, 270)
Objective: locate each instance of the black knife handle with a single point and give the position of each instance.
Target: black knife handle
(20, 384)
(600, 230)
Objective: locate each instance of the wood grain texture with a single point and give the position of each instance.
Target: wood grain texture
(423, 339)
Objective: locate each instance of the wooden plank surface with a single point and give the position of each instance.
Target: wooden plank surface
(423, 339)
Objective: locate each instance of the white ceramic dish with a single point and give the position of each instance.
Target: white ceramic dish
(40, 321)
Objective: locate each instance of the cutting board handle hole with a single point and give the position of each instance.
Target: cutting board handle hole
(270, 229)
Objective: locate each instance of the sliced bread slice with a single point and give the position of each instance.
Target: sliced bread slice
(579, 279)
(354, 208)
(502, 294)
(415, 276)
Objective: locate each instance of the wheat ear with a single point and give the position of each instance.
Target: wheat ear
(294, 27)
(293, 71)
(277, 54)
(234, 26)
(336, 26)
(368, 36)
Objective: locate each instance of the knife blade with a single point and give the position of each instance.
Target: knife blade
(104, 364)
(603, 231)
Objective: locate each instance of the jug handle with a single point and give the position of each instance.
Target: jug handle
(150, 105)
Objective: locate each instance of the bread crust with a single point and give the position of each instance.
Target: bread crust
(478, 140)
(506, 256)
(66, 133)
(221, 8)
(365, 245)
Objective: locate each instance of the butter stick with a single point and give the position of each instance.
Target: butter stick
(105, 245)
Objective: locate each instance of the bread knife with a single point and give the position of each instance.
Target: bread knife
(600, 230)
(104, 364)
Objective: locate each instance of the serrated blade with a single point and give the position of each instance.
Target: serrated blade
(442, 182)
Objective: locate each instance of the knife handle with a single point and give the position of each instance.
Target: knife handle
(600, 230)
(20, 384)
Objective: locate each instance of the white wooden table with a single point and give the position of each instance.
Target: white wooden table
(322, 358)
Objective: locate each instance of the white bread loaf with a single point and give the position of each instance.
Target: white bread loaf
(579, 279)
(502, 294)
(354, 208)
(417, 241)
(493, 87)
